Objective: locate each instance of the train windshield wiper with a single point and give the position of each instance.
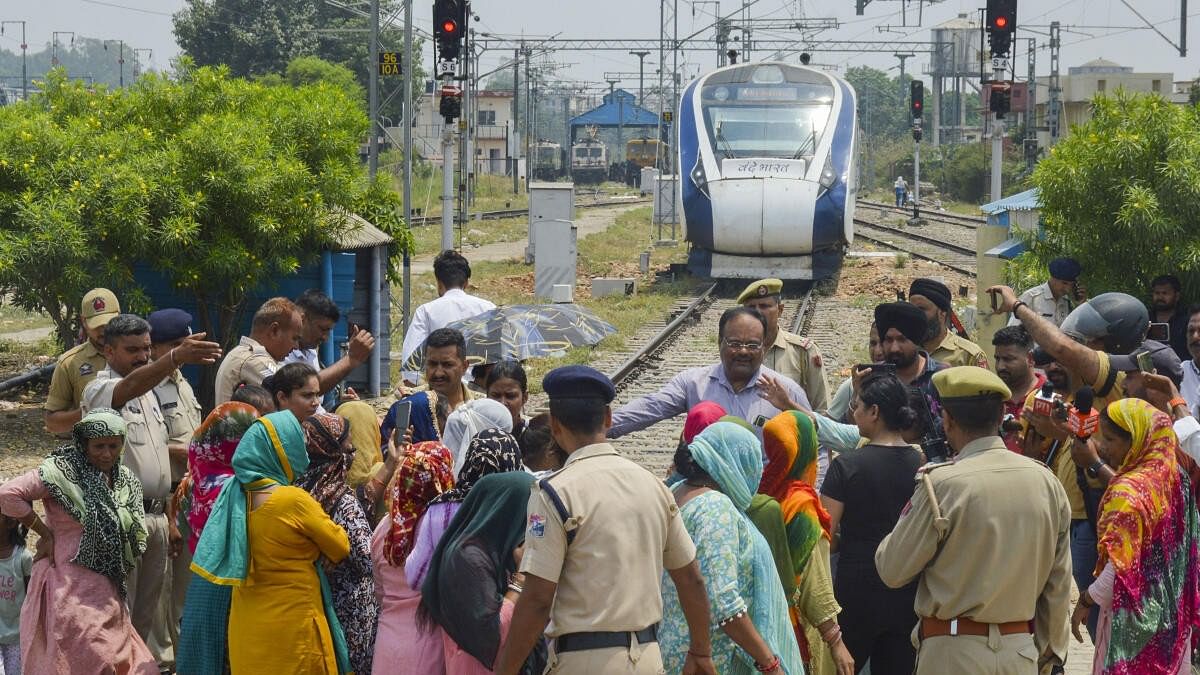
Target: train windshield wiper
(807, 147)
(723, 143)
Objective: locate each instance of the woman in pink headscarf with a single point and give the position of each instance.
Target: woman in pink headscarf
(698, 419)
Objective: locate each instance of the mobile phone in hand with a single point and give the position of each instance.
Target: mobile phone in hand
(403, 417)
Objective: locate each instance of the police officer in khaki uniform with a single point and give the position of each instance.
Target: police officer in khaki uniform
(600, 532)
(1058, 296)
(987, 536)
(77, 366)
(181, 412)
(274, 332)
(933, 298)
(127, 385)
(794, 356)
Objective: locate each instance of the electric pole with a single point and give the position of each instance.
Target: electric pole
(24, 68)
(54, 44)
(641, 74)
(406, 115)
(120, 61)
(373, 92)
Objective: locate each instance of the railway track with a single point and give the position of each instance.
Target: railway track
(421, 221)
(971, 222)
(956, 257)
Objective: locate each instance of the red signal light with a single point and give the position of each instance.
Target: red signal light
(1001, 21)
(916, 104)
(449, 26)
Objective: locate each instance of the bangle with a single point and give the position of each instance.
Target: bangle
(516, 588)
(700, 656)
(1178, 401)
(171, 354)
(1019, 305)
(767, 668)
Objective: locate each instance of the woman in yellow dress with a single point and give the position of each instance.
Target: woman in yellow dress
(265, 538)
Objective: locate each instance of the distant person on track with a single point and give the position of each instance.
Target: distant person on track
(453, 303)
(1056, 298)
(78, 366)
(274, 333)
(791, 355)
(933, 297)
(901, 191)
(740, 383)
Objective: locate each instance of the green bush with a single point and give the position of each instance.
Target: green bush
(1120, 195)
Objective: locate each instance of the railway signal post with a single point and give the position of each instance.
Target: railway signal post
(449, 31)
(1001, 24)
(916, 92)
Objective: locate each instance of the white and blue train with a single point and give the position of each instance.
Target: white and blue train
(768, 156)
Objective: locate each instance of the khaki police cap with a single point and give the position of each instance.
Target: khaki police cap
(760, 289)
(969, 382)
(99, 307)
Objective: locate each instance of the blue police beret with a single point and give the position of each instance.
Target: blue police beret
(1067, 269)
(168, 325)
(578, 382)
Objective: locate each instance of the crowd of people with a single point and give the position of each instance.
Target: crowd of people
(932, 515)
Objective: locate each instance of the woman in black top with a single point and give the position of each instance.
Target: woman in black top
(865, 491)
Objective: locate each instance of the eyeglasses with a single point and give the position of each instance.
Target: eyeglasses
(739, 346)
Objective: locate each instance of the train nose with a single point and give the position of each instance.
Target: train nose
(768, 216)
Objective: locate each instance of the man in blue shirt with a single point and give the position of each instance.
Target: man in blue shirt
(739, 383)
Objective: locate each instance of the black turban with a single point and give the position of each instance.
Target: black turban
(904, 317)
(935, 291)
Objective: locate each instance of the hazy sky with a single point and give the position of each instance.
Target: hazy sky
(147, 23)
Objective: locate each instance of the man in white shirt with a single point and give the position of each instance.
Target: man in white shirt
(452, 272)
(1190, 389)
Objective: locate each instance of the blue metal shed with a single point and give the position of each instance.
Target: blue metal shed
(620, 108)
(353, 272)
(1023, 210)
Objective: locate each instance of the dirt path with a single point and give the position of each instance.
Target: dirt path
(587, 222)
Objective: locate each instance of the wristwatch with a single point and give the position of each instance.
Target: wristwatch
(1093, 469)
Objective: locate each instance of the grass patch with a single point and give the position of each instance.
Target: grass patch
(492, 192)
(428, 238)
(613, 252)
(13, 319)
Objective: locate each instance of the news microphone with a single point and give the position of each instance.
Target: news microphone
(1082, 420)
(1043, 402)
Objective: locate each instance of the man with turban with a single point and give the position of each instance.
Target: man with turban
(933, 297)
(902, 328)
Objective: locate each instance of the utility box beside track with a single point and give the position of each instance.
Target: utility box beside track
(549, 201)
(556, 259)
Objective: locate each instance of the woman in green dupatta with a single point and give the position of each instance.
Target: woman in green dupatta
(75, 616)
(748, 610)
(264, 538)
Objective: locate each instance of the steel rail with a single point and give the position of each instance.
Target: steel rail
(638, 359)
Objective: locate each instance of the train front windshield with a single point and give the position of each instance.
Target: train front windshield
(755, 116)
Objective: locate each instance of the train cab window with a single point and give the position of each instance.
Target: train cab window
(596, 152)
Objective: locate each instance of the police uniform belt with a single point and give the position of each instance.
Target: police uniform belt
(931, 627)
(578, 642)
(154, 507)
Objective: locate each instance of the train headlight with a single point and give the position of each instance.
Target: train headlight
(828, 177)
(721, 94)
(699, 178)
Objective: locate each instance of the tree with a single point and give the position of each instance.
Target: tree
(219, 184)
(304, 70)
(258, 37)
(1120, 192)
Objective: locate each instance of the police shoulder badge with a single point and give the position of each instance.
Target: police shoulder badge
(537, 525)
(86, 369)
